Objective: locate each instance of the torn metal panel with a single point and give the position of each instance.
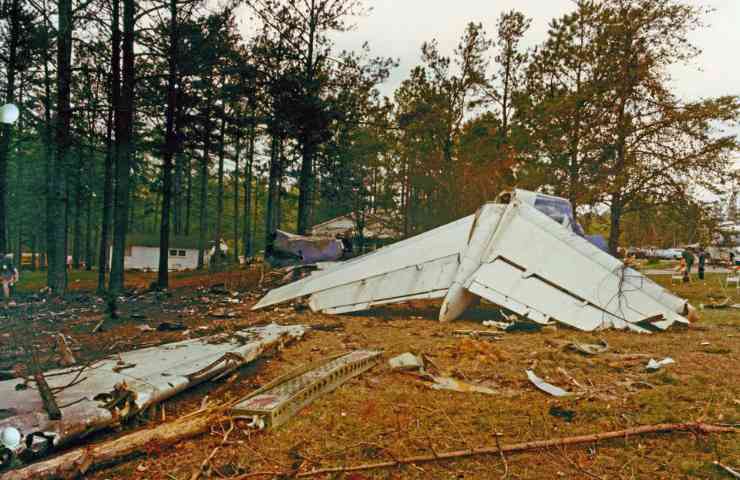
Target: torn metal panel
(527, 255)
(546, 387)
(276, 403)
(106, 394)
(654, 365)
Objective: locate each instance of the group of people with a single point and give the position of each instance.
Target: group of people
(687, 262)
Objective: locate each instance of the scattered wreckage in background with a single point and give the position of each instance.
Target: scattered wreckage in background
(288, 249)
(525, 253)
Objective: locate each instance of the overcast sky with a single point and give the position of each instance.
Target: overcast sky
(397, 28)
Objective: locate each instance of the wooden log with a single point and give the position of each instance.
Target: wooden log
(78, 461)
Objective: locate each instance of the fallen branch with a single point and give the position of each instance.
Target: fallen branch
(731, 471)
(47, 396)
(526, 446)
(76, 462)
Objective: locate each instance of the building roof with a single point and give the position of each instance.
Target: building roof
(377, 225)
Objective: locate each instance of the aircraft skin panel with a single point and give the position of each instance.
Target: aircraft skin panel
(506, 285)
(541, 248)
(391, 287)
(439, 243)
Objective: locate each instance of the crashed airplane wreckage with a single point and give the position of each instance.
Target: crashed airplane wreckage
(524, 253)
(116, 389)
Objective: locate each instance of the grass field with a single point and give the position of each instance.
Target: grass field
(384, 414)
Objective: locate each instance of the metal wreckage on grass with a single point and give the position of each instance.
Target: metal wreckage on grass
(524, 253)
(105, 394)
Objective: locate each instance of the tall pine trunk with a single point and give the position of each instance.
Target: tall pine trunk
(77, 229)
(106, 219)
(88, 235)
(169, 151)
(124, 137)
(273, 193)
(189, 196)
(305, 183)
(202, 234)
(220, 194)
(57, 278)
(248, 224)
(236, 172)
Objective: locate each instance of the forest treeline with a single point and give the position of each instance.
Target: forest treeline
(160, 117)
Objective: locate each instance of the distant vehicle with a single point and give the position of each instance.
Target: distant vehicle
(669, 253)
(639, 252)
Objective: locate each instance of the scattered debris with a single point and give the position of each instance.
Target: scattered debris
(406, 361)
(655, 365)
(220, 289)
(589, 348)
(93, 397)
(222, 313)
(332, 327)
(409, 362)
(546, 387)
(146, 328)
(275, 403)
(98, 327)
(448, 383)
(479, 334)
(717, 305)
(565, 414)
(171, 327)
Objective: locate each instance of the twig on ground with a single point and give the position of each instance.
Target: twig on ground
(497, 436)
(205, 468)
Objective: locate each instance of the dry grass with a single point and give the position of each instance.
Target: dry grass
(383, 414)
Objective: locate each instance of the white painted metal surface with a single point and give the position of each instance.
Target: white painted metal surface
(150, 375)
(513, 255)
(560, 275)
(389, 266)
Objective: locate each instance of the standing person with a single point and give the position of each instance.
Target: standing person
(681, 268)
(9, 275)
(689, 257)
(702, 263)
